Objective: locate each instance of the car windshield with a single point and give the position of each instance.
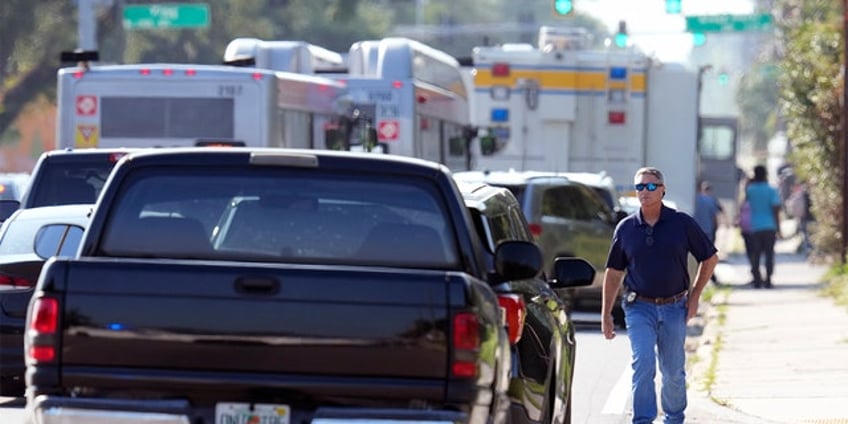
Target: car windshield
(282, 215)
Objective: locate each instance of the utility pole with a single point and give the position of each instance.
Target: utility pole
(87, 23)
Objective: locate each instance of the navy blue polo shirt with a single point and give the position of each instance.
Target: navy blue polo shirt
(656, 258)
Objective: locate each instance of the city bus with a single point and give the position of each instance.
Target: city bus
(146, 105)
(405, 97)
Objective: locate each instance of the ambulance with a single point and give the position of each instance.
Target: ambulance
(562, 106)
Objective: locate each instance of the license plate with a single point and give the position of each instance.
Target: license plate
(245, 413)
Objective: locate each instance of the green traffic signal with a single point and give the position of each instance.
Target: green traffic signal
(621, 36)
(621, 40)
(563, 7)
(723, 78)
(673, 7)
(698, 39)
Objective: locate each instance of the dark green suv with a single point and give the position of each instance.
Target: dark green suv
(566, 218)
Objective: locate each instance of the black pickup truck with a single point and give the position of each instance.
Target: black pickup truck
(273, 286)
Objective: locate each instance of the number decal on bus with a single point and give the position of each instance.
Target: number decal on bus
(229, 90)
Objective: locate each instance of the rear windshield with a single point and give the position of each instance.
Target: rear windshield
(262, 214)
(70, 181)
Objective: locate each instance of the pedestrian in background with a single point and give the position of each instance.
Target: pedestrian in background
(649, 253)
(707, 212)
(765, 204)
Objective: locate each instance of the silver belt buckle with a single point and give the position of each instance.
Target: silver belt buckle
(631, 297)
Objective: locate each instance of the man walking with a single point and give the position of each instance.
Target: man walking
(649, 253)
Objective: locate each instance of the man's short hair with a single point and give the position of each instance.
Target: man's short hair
(649, 170)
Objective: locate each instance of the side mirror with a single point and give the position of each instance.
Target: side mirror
(572, 272)
(517, 260)
(7, 208)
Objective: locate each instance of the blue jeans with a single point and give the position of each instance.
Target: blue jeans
(657, 332)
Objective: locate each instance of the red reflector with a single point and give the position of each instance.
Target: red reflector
(42, 353)
(190, 72)
(9, 281)
(466, 331)
(464, 369)
(115, 157)
(422, 99)
(500, 70)
(45, 319)
(616, 117)
(144, 71)
(257, 76)
(397, 84)
(513, 304)
(78, 74)
(535, 229)
(167, 72)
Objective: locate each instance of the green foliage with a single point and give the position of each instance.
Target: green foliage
(811, 89)
(757, 97)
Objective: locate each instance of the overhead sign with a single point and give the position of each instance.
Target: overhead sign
(728, 23)
(166, 15)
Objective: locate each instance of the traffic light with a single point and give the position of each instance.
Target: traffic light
(621, 36)
(562, 7)
(723, 78)
(698, 39)
(672, 7)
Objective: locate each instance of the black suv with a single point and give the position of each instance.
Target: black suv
(566, 218)
(540, 328)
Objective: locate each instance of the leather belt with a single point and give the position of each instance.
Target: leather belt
(662, 300)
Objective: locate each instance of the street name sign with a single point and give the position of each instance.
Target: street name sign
(728, 23)
(166, 15)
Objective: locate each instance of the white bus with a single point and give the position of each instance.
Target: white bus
(407, 98)
(290, 56)
(146, 105)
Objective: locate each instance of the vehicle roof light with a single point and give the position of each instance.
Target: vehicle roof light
(144, 71)
(167, 72)
(257, 76)
(190, 72)
(500, 115)
(115, 157)
(397, 84)
(618, 73)
(500, 69)
(78, 74)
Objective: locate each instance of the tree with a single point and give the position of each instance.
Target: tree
(811, 89)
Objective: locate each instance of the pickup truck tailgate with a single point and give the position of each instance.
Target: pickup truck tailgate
(348, 321)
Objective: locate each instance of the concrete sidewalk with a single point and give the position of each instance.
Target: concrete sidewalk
(771, 355)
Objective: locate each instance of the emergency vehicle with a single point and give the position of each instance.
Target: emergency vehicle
(406, 97)
(564, 107)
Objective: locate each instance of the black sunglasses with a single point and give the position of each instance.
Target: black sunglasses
(649, 186)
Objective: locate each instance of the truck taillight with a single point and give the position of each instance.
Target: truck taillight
(43, 325)
(466, 345)
(535, 229)
(516, 313)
